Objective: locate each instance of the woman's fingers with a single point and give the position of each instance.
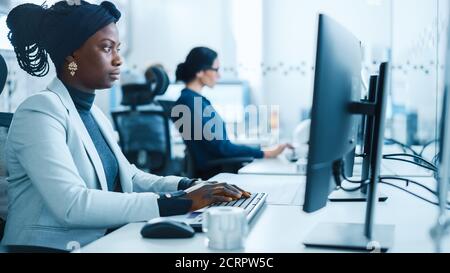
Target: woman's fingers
(234, 190)
(229, 190)
(288, 145)
(226, 191)
(246, 194)
(220, 198)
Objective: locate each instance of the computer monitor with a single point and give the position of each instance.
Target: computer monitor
(336, 106)
(443, 161)
(333, 127)
(365, 139)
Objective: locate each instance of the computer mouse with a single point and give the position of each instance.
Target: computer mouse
(166, 228)
(291, 156)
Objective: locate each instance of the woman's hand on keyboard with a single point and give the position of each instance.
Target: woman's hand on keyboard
(245, 194)
(207, 193)
(273, 153)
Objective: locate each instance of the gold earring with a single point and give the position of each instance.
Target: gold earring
(73, 67)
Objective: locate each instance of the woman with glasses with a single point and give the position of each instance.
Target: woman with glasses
(206, 141)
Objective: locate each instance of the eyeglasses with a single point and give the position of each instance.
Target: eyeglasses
(213, 69)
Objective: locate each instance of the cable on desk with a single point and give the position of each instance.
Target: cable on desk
(426, 145)
(411, 193)
(364, 182)
(412, 162)
(408, 181)
(351, 189)
(419, 158)
(339, 174)
(404, 146)
(435, 158)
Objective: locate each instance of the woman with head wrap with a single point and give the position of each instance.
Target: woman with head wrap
(68, 179)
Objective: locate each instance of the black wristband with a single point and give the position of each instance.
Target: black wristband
(171, 195)
(186, 183)
(173, 203)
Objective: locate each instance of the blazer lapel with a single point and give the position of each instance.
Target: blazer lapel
(58, 88)
(103, 123)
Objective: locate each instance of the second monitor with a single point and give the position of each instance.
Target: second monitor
(336, 105)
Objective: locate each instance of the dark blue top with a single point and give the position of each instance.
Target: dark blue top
(209, 148)
(167, 205)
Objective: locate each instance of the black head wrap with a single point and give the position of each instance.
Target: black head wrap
(58, 31)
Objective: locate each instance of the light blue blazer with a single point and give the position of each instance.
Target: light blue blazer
(57, 188)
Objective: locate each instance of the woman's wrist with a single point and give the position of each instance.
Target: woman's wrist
(186, 183)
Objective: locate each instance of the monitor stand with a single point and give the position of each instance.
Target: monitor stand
(356, 196)
(351, 236)
(367, 236)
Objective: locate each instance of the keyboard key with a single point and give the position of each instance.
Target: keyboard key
(246, 203)
(233, 203)
(239, 202)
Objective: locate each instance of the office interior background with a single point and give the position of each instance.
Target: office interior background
(267, 54)
(267, 47)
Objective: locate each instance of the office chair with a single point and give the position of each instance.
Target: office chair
(157, 76)
(145, 139)
(5, 122)
(144, 134)
(214, 167)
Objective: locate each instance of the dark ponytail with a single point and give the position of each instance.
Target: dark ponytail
(198, 59)
(24, 22)
(180, 74)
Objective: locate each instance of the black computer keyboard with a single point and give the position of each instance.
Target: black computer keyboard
(246, 203)
(251, 206)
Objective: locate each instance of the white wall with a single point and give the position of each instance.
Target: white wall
(417, 24)
(290, 30)
(164, 31)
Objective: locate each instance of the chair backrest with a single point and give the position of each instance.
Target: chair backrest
(137, 94)
(134, 95)
(3, 73)
(157, 76)
(5, 121)
(145, 138)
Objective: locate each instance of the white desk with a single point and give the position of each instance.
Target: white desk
(281, 228)
(281, 166)
(289, 191)
(275, 166)
(398, 168)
